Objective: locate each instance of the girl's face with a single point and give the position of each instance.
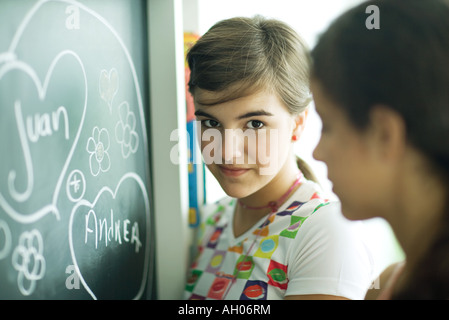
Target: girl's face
(244, 142)
(353, 167)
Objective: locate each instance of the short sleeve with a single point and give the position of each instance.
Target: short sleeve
(329, 257)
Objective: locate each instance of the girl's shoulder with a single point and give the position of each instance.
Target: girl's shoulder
(321, 216)
(306, 201)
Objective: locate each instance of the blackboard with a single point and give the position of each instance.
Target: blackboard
(75, 181)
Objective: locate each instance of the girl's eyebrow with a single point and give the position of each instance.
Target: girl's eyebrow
(254, 113)
(243, 116)
(202, 113)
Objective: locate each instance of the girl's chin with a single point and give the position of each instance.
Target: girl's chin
(235, 191)
(240, 189)
(356, 212)
(240, 185)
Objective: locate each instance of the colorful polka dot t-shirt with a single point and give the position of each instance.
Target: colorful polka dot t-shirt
(307, 247)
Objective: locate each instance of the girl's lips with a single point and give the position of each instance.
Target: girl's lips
(233, 172)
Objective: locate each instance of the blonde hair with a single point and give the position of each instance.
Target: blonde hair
(240, 56)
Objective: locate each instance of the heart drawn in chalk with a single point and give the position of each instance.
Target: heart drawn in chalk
(114, 227)
(44, 123)
(109, 83)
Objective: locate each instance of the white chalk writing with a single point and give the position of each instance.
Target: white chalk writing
(100, 230)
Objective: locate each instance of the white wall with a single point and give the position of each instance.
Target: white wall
(308, 17)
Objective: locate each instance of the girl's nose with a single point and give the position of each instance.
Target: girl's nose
(233, 146)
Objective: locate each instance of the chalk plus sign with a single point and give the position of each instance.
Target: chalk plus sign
(75, 183)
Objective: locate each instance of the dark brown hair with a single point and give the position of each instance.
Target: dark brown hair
(403, 65)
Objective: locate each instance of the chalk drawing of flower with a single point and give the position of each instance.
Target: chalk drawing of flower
(98, 146)
(125, 130)
(28, 260)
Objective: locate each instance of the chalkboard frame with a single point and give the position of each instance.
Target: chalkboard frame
(28, 220)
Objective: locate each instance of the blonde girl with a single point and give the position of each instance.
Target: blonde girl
(274, 236)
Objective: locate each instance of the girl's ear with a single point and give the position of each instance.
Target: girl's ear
(299, 124)
(387, 133)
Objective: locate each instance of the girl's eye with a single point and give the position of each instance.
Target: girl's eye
(255, 124)
(211, 123)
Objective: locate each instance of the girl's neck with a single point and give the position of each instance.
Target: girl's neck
(245, 216)
(277, 187)
(417, 217)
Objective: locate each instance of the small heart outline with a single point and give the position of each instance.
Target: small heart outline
(108, 85)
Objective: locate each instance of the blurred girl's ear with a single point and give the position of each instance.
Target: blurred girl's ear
(387, 133)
